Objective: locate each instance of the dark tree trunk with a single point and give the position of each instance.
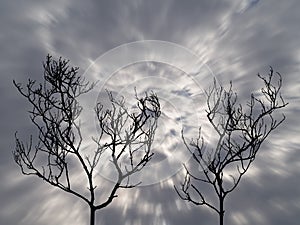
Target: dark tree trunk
(221, 212)
(92, 215)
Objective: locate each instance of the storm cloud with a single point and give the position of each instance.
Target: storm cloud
(232, 39)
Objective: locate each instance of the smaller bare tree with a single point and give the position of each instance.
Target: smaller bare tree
(127, 136)
(240, 133)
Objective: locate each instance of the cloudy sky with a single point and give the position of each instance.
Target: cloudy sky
(175, 48)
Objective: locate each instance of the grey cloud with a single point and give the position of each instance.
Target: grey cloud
(236, 40)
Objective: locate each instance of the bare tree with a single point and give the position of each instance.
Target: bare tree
(55, 110)
(240, 132)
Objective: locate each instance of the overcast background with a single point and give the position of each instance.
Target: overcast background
(236, 39)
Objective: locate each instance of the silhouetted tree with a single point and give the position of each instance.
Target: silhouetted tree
(240, 131)
(55, 110)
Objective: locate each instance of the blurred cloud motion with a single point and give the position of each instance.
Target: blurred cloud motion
(230, 39)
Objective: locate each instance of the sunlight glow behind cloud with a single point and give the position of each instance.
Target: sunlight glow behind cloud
(234, 40)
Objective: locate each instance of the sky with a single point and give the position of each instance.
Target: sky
(175, 48)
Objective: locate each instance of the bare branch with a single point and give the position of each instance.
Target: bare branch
(241, 132)
(55, 110)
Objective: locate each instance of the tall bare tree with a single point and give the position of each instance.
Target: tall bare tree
(127, 136)
(240, 132)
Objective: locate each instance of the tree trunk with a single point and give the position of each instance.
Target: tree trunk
(92, 215)
(221, 212)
